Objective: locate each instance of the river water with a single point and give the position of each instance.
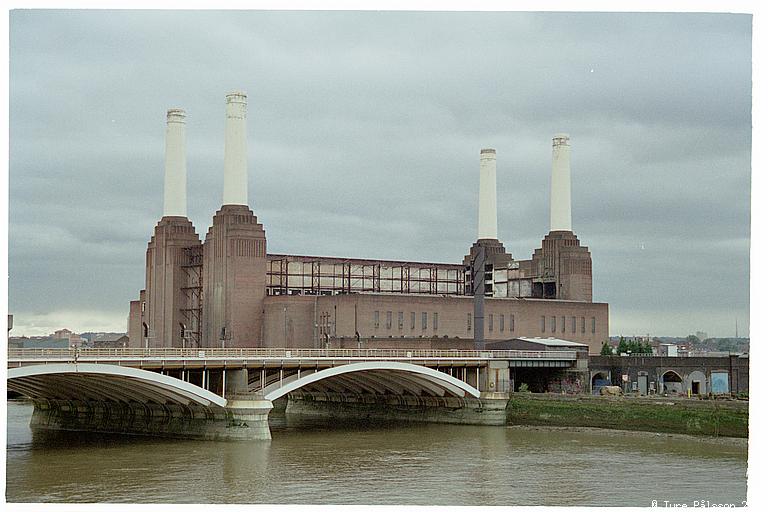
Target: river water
(322, 462)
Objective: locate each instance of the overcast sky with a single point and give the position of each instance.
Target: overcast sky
(364, 132)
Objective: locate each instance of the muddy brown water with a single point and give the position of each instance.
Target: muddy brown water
(319, 461)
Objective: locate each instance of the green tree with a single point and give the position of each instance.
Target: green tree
(606, 350)
(623, 347)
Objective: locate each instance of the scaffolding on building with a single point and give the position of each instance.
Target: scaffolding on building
(193, 291)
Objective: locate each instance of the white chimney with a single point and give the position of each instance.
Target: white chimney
(560, 195)
(235, 154)
(175, 191)
(486, 216)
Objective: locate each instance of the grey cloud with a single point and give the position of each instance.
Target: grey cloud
(364, 134)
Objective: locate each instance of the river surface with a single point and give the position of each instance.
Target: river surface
(322, 462)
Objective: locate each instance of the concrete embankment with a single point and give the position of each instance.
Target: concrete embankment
(651, 414)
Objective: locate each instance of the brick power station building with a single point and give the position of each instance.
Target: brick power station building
(228, 291)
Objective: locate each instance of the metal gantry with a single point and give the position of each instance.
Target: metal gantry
(193, 291)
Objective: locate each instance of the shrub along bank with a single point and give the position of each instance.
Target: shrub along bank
(680, 416)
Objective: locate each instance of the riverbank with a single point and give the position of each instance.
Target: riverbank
(648, 414)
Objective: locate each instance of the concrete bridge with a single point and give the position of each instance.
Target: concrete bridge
(228, 393)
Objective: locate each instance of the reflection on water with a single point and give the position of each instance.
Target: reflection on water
(324, 462)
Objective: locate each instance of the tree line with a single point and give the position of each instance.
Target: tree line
(632, 346)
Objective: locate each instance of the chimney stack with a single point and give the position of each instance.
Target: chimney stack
(175, 190)
(235, 154)
(486, 218)
(560, 195)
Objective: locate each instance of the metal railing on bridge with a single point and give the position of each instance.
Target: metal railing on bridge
(74, 354)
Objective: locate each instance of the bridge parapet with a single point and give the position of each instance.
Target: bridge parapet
(16, 356)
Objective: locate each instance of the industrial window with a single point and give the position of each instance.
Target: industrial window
(563, 319)
(573, 324)
(413, 319)
(553, 324)
(423, 320)
(593, 325)
(511, 322)
(501, 323)
(389, 319)
(583, 325)
(399, 319)
(490, 323)
(469, 321)
(376, 319)
(543, 324)
(434, 321)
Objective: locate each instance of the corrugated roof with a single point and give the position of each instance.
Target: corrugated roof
(553, 342)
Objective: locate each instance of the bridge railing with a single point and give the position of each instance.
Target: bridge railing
(280, 353)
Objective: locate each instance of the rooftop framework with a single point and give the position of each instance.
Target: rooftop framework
(314, 275)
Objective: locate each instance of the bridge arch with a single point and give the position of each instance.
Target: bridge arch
(378, 376)
(90, 381)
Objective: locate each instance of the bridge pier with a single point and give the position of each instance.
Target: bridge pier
(494, 378)
(247, 412)
(248, 418)
(494, 408)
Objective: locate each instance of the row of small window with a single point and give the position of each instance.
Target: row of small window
(490, 322)
(401, 319)
(553, 324)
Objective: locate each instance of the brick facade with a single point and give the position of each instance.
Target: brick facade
(394, 320)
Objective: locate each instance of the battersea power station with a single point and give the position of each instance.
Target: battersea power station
(228, 290)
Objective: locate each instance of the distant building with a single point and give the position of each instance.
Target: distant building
(37, 342)
(110, 341)
(667, 350)
(73, 340)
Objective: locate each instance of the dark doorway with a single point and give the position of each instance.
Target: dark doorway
(695, 387)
